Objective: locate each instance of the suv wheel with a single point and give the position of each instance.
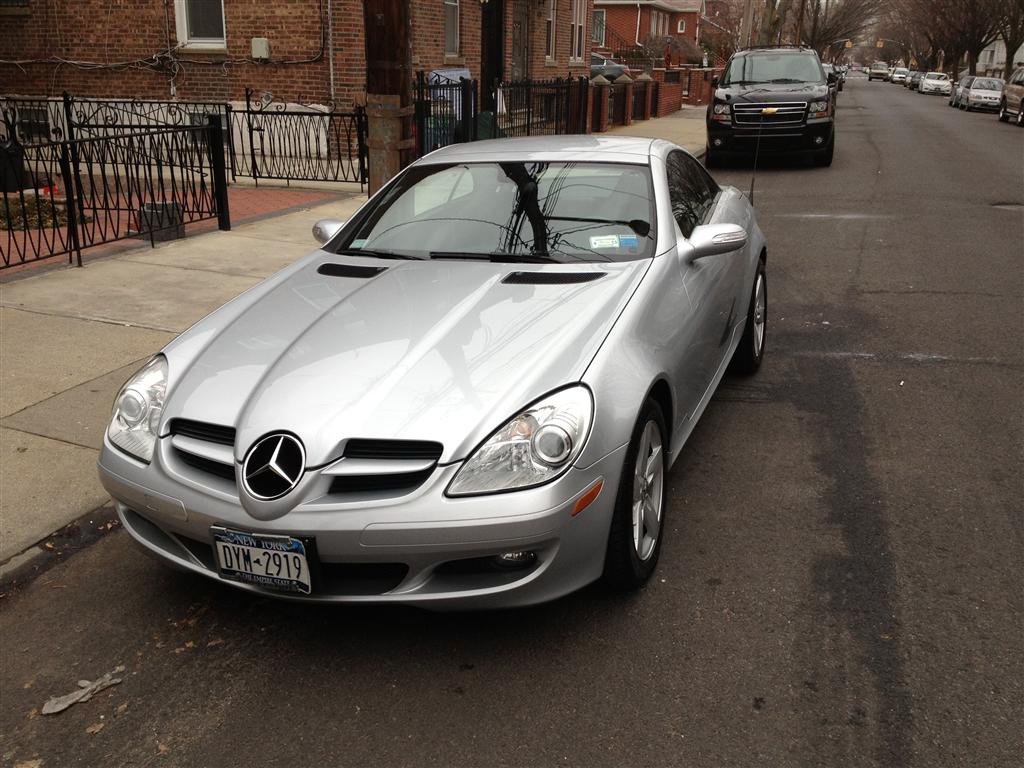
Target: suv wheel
(710, 158)
(1020, 114)
(1004, 116)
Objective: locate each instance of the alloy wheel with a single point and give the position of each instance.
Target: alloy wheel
(648, 485)
(759, 315)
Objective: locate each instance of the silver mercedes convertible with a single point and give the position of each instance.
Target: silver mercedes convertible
(470, 396)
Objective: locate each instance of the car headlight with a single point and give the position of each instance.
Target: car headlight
(722, 109)
(818, 106)
(137, 409)
(532, 448)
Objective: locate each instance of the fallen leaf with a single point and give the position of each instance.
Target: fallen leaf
(162, 748)
(27, 685)
(48, 545)
(121, 709)
(34, 763)
(215, 641)
(95, 728)
(179, 650)
(33, 714)
(190, 644)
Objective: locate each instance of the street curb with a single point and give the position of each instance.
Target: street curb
(21, 569)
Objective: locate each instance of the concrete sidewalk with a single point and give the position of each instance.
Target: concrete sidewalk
(70, 337)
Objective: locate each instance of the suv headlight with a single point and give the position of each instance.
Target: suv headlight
(722, 109)
(137, 410)
(533, 448)
(818, 106)
(721, 112)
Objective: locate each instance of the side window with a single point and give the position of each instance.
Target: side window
(691, 191)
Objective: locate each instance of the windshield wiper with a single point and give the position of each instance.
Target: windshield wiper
(376, 254)
(639, 226)
(786, 80)
(526, 258)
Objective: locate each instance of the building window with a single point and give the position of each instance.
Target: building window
(549, 31)
(659, 23)
(451, 27)
(597, 30)
(681, 26)
(200, 23)
(577, 29)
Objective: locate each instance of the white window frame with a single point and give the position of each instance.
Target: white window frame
(603, 27)
(198, 43)
(550, 40)
(458, 23)
(577, 31)
(681, 27)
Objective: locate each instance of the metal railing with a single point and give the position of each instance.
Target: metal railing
(446, 112)
(262, 139)
(542, 107)
(60, 197)
(277, 140)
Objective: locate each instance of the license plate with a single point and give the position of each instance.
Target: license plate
(274, 562)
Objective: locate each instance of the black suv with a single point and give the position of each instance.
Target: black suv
(781, 93)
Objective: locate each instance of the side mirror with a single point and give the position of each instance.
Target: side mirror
(713, 239)
(325, 229)
(832, 78)
(714, 81)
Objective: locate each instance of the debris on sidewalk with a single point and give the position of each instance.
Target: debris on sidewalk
(86, 690)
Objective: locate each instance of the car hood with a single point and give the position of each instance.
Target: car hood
(424, 350)
(760, 94)
(986, 92)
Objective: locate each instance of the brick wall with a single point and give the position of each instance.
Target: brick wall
(670, 98)
(130, 39)
(621, 20)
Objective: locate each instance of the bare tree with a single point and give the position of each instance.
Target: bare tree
(1011, 29)
(833, 22)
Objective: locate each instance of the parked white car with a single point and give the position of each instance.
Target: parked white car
(899, 75)
(982, 93)
(936, 82)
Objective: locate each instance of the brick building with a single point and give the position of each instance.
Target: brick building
(622, 23)
(296, 50)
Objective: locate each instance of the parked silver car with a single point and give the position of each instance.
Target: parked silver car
(959, 89)
(982, 93)
(469, 397)
(935, 82)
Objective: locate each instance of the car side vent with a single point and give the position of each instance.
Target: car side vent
(349, 270)
(551, 278)
(200, 430)
(393, 449)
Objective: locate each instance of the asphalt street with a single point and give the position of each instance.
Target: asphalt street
(842, 582)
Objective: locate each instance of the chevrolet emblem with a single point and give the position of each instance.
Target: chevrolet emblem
(769, 110)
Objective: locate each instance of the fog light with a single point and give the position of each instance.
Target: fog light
(819, 140)
(717, 142)
(515, 559)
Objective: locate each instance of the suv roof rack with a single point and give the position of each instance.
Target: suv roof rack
(794, 46)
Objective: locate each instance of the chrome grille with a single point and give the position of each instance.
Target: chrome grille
(787, 113)
(206, 448)
(383, 467)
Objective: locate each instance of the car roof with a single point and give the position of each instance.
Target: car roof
(577, 147)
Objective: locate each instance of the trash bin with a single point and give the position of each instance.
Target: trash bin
(12, 167)
(164, 218)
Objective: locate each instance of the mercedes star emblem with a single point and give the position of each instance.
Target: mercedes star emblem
(274, 466)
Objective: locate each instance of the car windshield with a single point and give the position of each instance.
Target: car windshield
(513, 211)
(935, 76)
(773, 68)
(987, 84)
(900, 71)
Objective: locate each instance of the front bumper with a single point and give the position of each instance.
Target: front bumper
(992, 104)
(811, 135)
(420, 548)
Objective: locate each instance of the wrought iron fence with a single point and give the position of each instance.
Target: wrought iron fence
(59, 197)
(542, 107)
(446, 112)
(268, 140)
(275, 140)
(617, 108)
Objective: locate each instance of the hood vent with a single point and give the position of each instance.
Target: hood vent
(349, 270)
(551, 278)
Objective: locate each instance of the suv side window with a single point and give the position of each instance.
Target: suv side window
(691, 191)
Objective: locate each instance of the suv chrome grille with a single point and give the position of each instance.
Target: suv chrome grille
(787, 113)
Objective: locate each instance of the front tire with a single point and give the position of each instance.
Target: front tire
(634, 540)
(1004, 116)
(711, 159)
(750, 352)
(823, 159)
(1020, 114)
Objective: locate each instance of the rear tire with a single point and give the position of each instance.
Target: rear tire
(640, 504)
(710, 158)
(750, 352)
(1020, 114)
(1004, 116)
